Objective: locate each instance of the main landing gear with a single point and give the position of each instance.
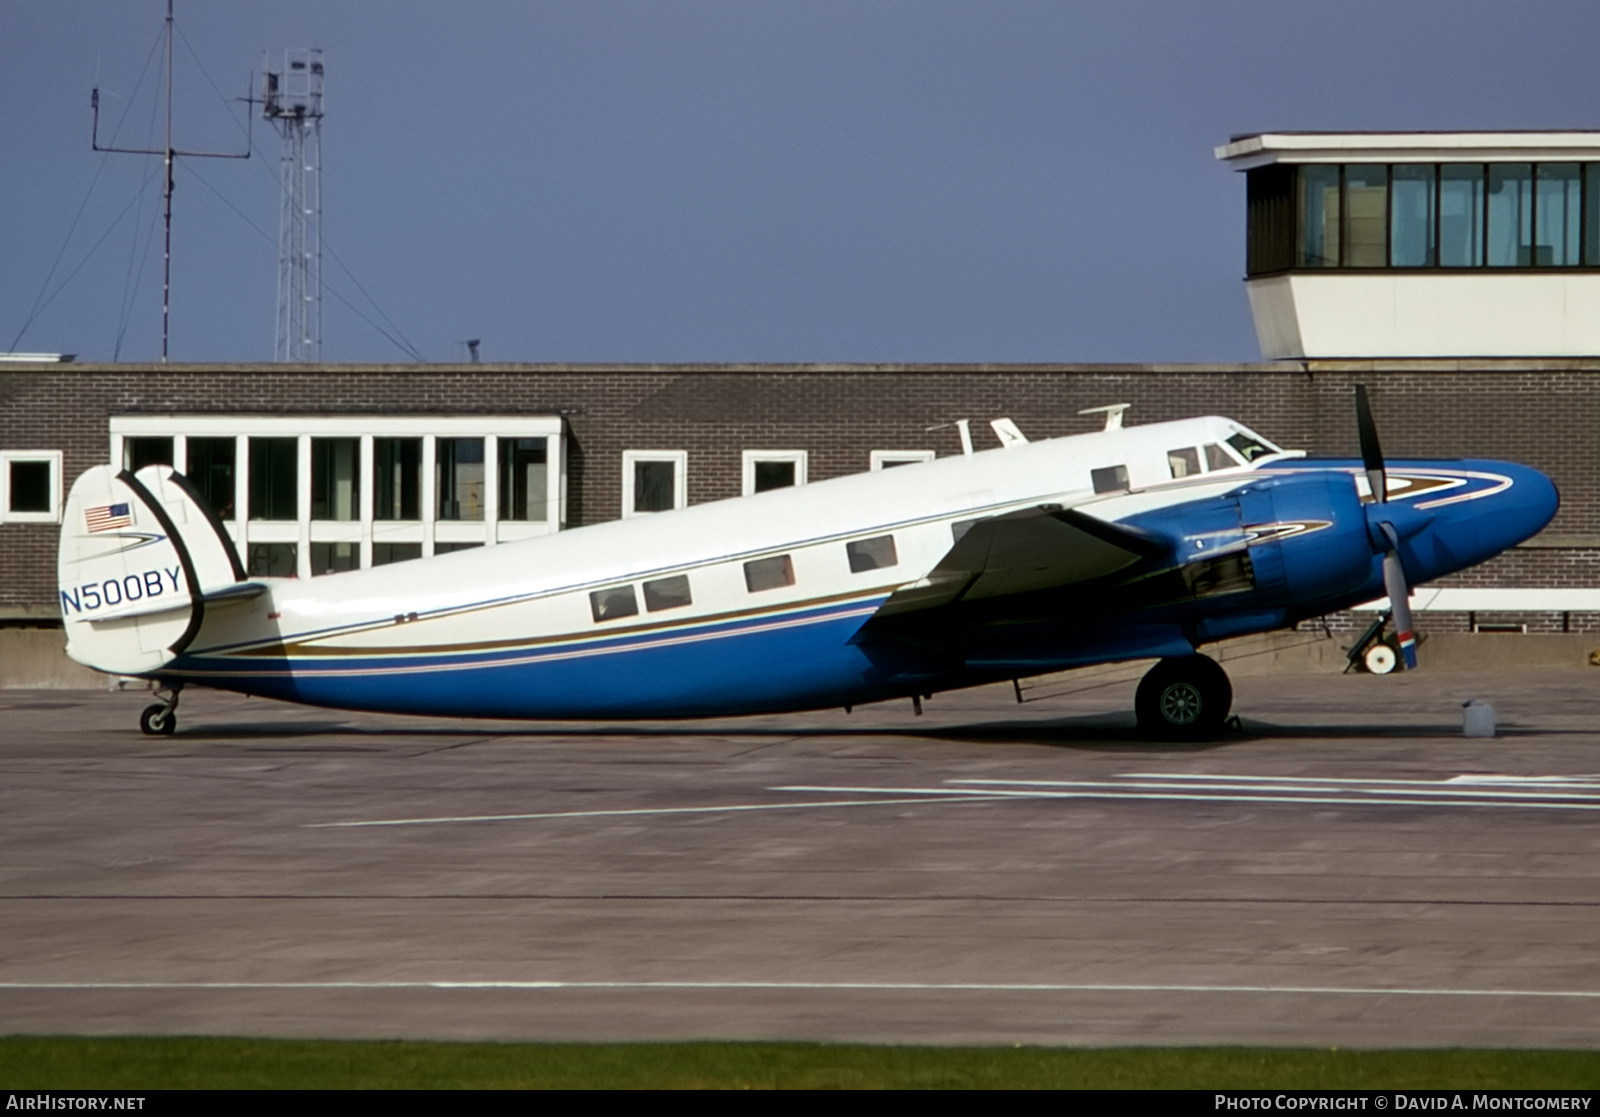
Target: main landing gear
(1183, 698)
(161, 719)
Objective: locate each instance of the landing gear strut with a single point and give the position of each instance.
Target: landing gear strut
(1183, 698)
(161, 719)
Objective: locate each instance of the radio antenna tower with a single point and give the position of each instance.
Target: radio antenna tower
(171, 154)
(291, 100)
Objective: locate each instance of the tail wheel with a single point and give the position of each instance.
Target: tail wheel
(158, 721)
(1183, 697)
(1380, 659)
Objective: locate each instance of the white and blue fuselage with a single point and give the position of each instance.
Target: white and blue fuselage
(836, 593)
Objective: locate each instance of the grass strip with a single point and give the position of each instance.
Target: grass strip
(177, 1062)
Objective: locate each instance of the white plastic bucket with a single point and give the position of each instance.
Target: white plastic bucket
(1477, 719)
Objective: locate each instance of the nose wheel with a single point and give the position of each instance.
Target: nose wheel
(161, 719)
(1183, 698)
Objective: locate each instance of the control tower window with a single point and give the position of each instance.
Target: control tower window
(1317, 217)
(1461, 215)
(1423, 215)
(1413, 194)
(1558, 205)
(1366, 205)
(1511, 216)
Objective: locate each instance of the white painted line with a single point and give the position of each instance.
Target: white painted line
(1541, 803)
(1418, 787)
(969, 795)
(801, 986)
(1513, 781)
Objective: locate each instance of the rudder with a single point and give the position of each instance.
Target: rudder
(139, 554)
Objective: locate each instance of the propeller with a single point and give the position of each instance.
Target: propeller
(1394, 574)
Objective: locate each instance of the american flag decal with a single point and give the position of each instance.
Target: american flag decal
(107, 517)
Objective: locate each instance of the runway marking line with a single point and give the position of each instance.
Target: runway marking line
(971, 796)
(866, 986)
(1520, 792)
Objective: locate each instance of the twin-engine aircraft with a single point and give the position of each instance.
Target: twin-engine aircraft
(1128, 543)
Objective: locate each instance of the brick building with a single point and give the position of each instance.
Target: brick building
(321, 468)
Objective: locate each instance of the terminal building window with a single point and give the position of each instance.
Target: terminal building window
(397, 478)
(312, 495)
(458, 478)
(1422, 215)
(30, 486)
(765, 470)
(654, 481)
(524, 466)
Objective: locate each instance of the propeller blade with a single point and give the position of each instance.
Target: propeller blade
(1394, 583)
(1371, 452)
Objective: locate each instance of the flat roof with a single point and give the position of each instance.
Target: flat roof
(1259, 149)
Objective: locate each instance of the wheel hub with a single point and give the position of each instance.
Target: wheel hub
(1181, 703)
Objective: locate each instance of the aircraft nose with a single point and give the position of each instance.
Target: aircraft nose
(1522, 511)
(1504, 505)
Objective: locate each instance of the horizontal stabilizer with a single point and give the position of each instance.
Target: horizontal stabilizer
(1035, 549)
(140, 557)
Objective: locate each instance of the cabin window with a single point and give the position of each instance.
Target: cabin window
(140, 452)
(30, 486)
(458, 479)
(274, 479)
(1184, 462)
(524, 480)
(871, 554)
(667, 593)
(959, 529)
(397, 478)
(613, 603)
(768, 573)
(888, 459)
(1218, 458)
(765, 470)
(335, 481)
(272, 560)
(1109, 479)
(653, 481)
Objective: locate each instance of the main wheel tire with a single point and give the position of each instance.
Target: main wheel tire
(1379, 659)
(1183, 698)
(158, 721)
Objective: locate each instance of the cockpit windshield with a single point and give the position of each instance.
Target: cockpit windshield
(1251, 446)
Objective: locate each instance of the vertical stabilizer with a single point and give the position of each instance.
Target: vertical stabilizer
(138, 555)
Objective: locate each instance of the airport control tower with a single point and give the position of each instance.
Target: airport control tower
(1422, 244)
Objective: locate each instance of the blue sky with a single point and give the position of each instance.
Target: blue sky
(610, 180)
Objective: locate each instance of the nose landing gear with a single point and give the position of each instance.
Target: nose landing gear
(161, 719)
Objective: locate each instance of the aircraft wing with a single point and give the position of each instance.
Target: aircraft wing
(1034, 549)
